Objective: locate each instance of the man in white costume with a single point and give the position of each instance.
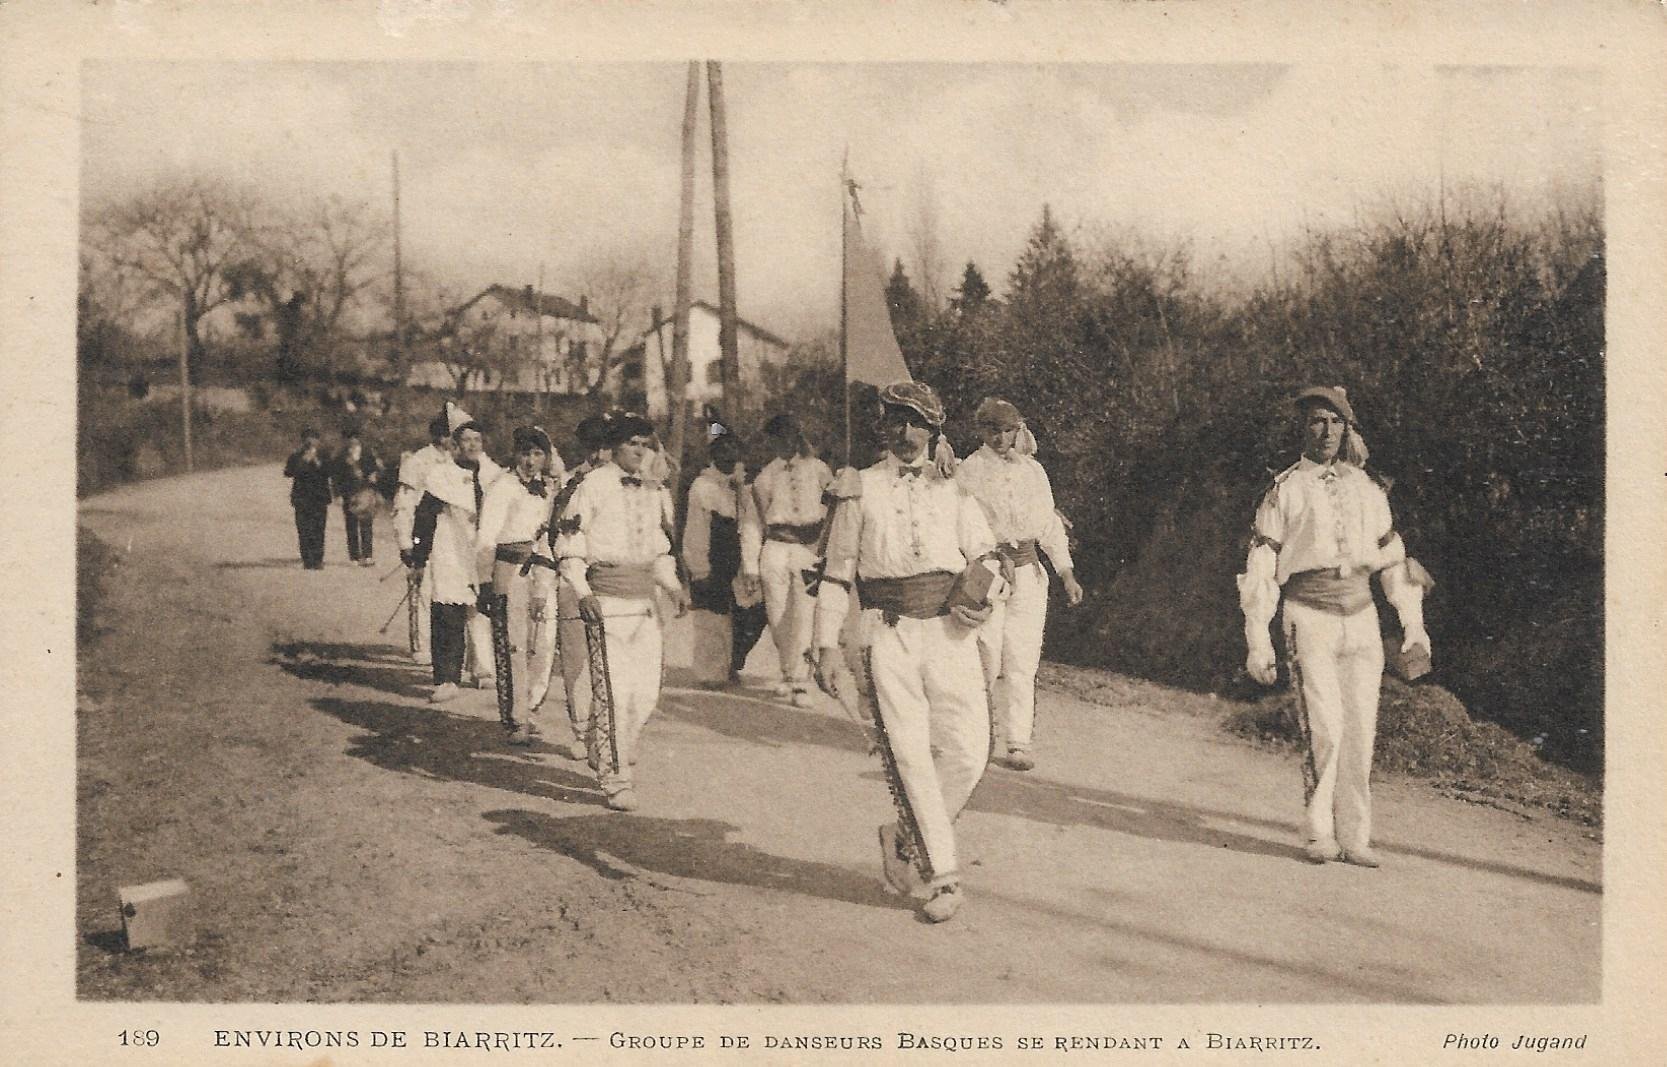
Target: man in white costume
(922, 558)
(592, 435)
(1321, 531)
(1017, 499)
(778, 544)
(413, 475)
(729, 617)
(612, 548)
(518, 581)
(443, 542)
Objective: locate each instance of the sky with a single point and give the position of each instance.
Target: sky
(510, 168)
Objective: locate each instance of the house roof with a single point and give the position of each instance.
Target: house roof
(753, 328)
(531, 301)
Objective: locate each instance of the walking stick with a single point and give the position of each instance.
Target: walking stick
(383, 629)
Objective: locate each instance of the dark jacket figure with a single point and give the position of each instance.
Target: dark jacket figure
(354, 474)
(309, 494)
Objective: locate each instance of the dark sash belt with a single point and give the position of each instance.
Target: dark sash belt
(1324, 590)
(1019, 553)
(630, 580)
(919, 596)
(807, 534)
(521, 554)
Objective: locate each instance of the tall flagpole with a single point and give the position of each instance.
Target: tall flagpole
(844, 269)
(399, 277)
(677, 386)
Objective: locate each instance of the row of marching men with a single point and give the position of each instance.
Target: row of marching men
(944, 558)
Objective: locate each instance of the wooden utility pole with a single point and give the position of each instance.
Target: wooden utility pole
(399, 279)
(677, 388)
(185, 386)
(730, 361)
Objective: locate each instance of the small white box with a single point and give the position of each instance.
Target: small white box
(156, 914)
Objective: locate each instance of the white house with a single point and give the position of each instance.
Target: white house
(512, 341)
(645, 368)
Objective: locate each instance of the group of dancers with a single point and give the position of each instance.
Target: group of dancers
(534, 568)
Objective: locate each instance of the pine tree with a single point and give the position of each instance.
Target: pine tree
(902, 300)
(974, 292)
(1046, 279)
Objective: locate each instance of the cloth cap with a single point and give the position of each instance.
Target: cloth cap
(783, 425)
(1332, 396)
(624, 425)
(998, 413)
(438, 426)
(917, 396)
(593, 431)
(528, 437)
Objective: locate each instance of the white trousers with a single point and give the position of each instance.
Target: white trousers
(929, 693)
(1336, 670)
(632, 631)
(787, 604)
(710, 635)
(532, 634)
(570, 647)
(1010, 644)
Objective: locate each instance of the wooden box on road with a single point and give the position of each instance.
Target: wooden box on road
(156, 914)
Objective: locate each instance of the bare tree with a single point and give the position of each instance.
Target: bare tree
(618, 289)
(175, 242)
(308, 267)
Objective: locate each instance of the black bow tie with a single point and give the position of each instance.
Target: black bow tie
(909, 472)
(630, 479)
(535, 487)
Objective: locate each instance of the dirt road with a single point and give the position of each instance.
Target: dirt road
(244, 726)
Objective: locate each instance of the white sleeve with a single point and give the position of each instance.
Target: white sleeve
(572, 544)
(1054, 540)
(1259, 584)
(697, 532)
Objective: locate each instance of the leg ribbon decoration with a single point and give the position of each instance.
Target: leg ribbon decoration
(909, 840)
(604, 729)
(413, 590)
(503, 660)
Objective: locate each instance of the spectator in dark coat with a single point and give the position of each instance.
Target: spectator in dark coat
(354, 474)
(309, 494)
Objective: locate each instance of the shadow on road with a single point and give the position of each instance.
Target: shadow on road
(383, 667)
(760, 721)
(697, 849)
(1379, 984)
(1064, 804)
(434, 744)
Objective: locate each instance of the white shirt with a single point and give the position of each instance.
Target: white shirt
(713, 493)
(1018, 501)
(902, 526)
(1315, 517)
(451, 559)
(608, 521)
(413, 475)
(511, 512)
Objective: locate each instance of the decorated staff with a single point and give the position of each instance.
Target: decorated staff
(777, 539)
(729, 617)
(443, 541)
(518, 581)
(1013, 489)
(593, 434)
(1321, 531)
(612, 549)
(923, 560)
(413, 475)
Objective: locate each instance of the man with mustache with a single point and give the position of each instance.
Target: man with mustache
(919, 551)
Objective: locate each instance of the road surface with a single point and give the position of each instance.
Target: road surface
(244, 726)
